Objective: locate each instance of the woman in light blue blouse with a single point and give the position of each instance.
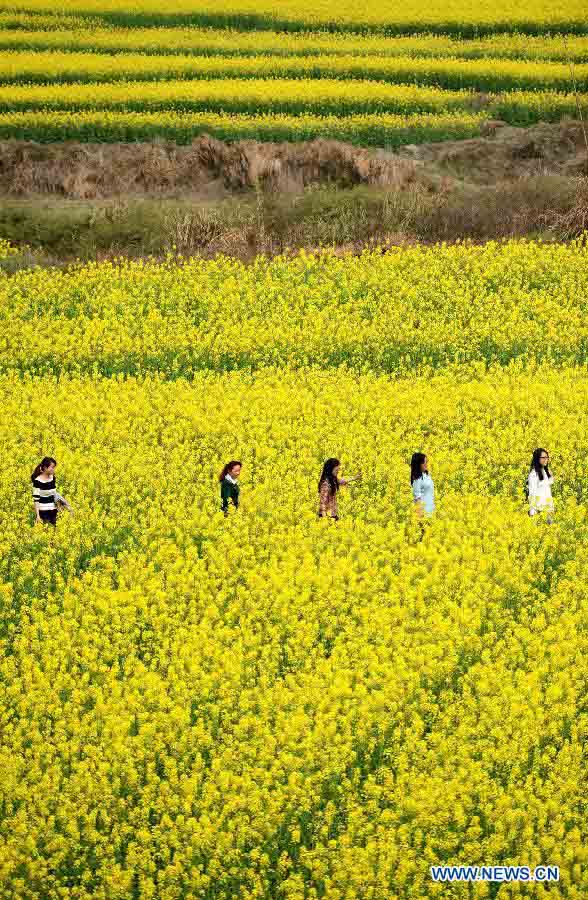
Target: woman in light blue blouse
(423, 489)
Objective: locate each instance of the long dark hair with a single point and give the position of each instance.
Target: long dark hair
(415, 466)
(45, 462)
(328, 475)
(228, 467)
(536, 465)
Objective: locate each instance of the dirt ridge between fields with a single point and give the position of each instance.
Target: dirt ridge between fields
(212, 169)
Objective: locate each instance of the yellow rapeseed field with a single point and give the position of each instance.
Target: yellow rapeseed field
(171, 74)
(489, 74)
(19, 32)
(378, 15)
(361, 129)
(268, 704)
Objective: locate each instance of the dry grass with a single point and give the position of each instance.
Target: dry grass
(551, 207)
(572, 223)
(81, 200)
(207, 167)
(211, 169)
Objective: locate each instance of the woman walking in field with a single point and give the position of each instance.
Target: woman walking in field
(45, 496)
(423, 489)
(229, 482)
(328, 488)
(539, 484)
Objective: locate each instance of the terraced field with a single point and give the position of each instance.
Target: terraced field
(105, 73)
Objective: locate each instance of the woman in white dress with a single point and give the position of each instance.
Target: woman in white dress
(539, 486)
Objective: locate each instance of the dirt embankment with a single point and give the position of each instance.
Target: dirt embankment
(209, 169)
(81, 201)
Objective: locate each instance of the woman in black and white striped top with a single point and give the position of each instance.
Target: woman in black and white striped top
(45, 496)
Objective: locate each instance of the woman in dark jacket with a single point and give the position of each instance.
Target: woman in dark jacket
(230, 485)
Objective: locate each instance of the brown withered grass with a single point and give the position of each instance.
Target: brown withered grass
(98, 171)
(72, 200)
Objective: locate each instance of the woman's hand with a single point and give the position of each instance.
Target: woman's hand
(351, 479)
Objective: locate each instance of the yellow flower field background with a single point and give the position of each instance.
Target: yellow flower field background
(381, 15)
(372, 74)
(270, 705)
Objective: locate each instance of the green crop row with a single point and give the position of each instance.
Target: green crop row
(294, 97)
(463, 17)
(61, 22)
(486, 75)
(385, 129)
(75, 36)
(252, 96)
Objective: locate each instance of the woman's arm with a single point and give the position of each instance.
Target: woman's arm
(532, 482)
(61, 499)
(417, 494)
(225, 494)
(343, 481)
(323, 498)
(36, 498)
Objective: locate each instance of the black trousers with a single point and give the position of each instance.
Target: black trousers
(48, 515)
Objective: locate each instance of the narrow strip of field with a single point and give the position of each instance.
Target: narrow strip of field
(46, 67)
(462, 18)
(254, 96)
(79, 36)
(281, 109)
(361, 129)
